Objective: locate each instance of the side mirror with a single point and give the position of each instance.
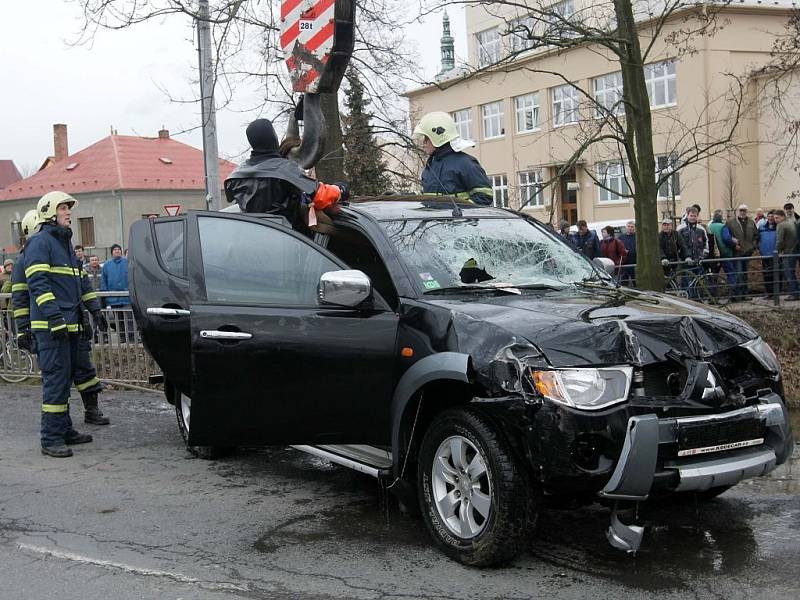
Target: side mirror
(606, 264)
(344, 288)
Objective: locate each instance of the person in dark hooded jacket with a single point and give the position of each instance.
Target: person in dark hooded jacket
(269, 183)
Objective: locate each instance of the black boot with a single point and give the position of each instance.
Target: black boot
(91, 412)
(59, 451)
(75, 437)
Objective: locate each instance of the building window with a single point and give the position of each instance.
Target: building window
(463, 120)
(612, 175)
(530, 189)
(520, 31)
(661, 84)
(565, 105)
(500, 190)
(566, 10)
(527, 109)
(86, 225)
(667, 163)
(608, 95)
(488, 46)
(492, 120)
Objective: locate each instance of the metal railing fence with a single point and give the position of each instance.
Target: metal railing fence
(724, 280)
(118, 354)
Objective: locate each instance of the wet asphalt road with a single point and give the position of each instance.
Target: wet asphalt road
(133, 515)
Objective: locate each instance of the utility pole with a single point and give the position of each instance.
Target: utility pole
(207, 79)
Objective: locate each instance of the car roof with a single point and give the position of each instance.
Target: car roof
(390, 208)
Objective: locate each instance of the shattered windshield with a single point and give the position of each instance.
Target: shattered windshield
(486, 252)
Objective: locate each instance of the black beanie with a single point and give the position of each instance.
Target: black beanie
(261, 135)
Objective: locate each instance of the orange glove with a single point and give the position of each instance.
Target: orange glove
(326, 195)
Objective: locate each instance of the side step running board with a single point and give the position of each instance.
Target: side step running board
(351, 461)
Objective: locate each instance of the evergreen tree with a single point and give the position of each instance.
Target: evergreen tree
(364, 168)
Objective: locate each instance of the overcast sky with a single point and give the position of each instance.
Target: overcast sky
(119, 80)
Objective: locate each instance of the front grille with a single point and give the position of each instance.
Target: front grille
(703, 435)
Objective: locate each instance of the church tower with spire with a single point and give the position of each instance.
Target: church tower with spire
(448, 50)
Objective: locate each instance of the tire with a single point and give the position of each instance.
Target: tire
(183, 410)
(19, 363)
(478, 506)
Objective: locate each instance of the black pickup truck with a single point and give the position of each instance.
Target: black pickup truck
(464, 354)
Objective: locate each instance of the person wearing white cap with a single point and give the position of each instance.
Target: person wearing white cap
(745, 237)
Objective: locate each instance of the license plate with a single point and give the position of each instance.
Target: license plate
(721, 447)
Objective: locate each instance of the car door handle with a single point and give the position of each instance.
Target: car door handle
(214, 334)
(167, 312)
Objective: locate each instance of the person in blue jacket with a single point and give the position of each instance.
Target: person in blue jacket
(448, 170)
(767, 243)
(586, 241)
(114, 278)
(58, 294)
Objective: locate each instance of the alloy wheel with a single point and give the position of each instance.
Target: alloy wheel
(462, 488)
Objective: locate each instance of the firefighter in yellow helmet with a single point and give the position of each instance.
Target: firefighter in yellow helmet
(57, 296)
(17, 286)
(448, 169)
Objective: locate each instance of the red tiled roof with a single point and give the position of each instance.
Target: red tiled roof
(8, 173)
(121, 162)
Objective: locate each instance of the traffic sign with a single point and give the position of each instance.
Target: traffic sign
(172, 210)
(317, 40)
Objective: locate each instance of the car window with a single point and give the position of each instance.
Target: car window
(171, 247)
(250, 263)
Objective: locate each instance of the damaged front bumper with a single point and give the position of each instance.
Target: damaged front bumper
(649, 453)
(694, 468)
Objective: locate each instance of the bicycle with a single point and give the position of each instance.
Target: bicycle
(16, 364)
(709, 287)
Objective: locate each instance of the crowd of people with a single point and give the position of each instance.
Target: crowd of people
(723, 245)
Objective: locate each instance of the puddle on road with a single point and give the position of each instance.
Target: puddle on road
(360, 521)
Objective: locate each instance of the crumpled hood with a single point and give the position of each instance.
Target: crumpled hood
(580, 328)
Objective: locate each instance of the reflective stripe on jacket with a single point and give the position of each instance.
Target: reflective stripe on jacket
(57, 286)
(454, 173)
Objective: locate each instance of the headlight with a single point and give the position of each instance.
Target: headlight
(764, 354)
(587, 389)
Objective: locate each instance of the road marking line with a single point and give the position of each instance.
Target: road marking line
(179, 577)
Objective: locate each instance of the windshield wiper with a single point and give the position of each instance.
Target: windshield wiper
(473, 288)
(540, 286)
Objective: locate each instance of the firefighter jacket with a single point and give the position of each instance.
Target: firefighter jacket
(457, 174)
(20, 300)
(58, 287)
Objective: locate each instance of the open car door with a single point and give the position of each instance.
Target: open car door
(269, 364)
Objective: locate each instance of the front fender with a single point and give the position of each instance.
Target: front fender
(452, 366)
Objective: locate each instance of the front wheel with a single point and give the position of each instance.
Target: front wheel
(183, 412)
(475, 499)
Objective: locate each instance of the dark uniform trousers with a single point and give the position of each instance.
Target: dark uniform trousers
(58, 359)
(85, 379)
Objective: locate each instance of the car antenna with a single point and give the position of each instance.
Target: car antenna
(457, 213)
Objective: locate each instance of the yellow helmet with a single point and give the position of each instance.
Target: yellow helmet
(438, 127)
(29, 222)
(46, 208)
